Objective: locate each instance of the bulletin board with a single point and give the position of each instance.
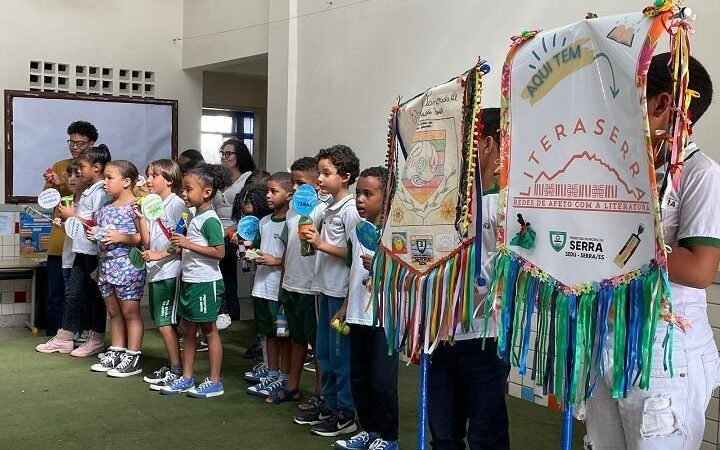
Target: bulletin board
(139, 130)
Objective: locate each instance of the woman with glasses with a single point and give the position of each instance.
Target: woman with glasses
(81, 136)
(236, 157)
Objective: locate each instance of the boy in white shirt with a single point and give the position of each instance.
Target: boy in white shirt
(266, 287)
(338, 167)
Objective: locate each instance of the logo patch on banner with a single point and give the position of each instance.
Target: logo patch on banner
(421, 249)
(399, 243)
(558, 239)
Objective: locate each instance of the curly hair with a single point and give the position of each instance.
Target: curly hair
(343, 158)
(245, 162)
(254, 194)
(214, 176)
(305, 164)
(83, 128)
(379, 172)
(283, 179)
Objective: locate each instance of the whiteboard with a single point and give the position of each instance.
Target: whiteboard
(137, 130)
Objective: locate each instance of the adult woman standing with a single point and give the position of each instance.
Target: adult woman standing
(236, 157)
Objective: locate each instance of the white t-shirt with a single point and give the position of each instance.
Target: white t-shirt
(489, 247)
(299, 270)
(359, 310)
(267, 278)
(331, 272)
(86, 207)
(169, 267)
(223, 200)
(205, 229)
(692, 217)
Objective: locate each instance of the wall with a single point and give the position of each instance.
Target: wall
(119, 34)
(355, 59)
(240, 92)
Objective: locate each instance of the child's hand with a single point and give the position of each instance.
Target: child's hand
(339, 315)
(66, 211)
(90, 234)
(178, 240)
(113, 237)
(311, 235)
(57, 222)
(52, 178)
(137, 210)
(268, 260)
(367, 261)
(234, 237)
(153, 255)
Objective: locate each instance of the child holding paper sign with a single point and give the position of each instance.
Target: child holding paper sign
(164, 179)
(81, 289)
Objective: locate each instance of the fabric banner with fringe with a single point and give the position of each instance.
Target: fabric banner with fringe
(424, 270)
(581, 262)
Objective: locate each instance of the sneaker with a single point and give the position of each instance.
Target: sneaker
(312, 417)
(81, 337)
(129, 366)
(314, 403)
(157, 376)
(335, 425)
(169, 378)
(207, 389)
(62, 342)
(202, 346)
(257, 373)
(273, 388)
(362, 440)
(257, 389)
(223, 321)
(379, 444)
(182, 384)
(112, 358)
(93, 344)
(253, 352)
(309, 367)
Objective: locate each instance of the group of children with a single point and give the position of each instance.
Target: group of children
(313, 277)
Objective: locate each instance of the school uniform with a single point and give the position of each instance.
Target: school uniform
(266, 287)
(671, 413)
(466, 388)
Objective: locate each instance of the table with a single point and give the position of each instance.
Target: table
(22, 269)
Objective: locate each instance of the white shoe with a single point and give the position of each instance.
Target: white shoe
(223, 321)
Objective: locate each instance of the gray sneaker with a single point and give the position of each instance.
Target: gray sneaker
(111, 358)
(169, 378)
(129, 365)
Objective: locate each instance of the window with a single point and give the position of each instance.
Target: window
(218, 125)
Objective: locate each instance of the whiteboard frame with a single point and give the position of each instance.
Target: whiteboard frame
(11, 95)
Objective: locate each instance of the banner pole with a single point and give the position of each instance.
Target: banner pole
(422, 410)
(567, 429)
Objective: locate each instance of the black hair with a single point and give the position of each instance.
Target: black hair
(96, 155)
(377, 172)
(343, 158)
(258, 176)
(490, 118)
(83, 128)
(214, 176)
(245, 162)
(254, 194)
(127, 170)
(194, 159)
(283, 179)
(659, 80)
(305, 164)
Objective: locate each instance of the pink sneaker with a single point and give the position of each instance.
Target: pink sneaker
(62, 342)
(94, 344)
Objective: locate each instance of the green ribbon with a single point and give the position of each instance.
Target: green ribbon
(620, 330)
(561, 344)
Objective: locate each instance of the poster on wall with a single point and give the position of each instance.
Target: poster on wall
(34, 235)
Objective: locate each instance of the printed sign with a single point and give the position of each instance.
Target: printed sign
(34, 234)
(305, 199)
(74, 228)
(49, 198)
(152, 206)
(248, 227)
(136, 258)
(367, 235)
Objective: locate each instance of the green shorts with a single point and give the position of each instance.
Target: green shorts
(200, 302)
(301, 318)
(266, 312)
(163, 302)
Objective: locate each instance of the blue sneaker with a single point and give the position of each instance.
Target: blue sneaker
(273, 387)
(379, 444)
(182, 384)
(207, 389)
(257, 373)
(362, 441)
(261, 387)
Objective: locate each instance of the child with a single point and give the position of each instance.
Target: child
(373, 373)
(466, 397)
(121, 284)
(671, 413)
(201, 286)
(81, 289)
(77, 185)
(163, 264)
(296, 295)
(266, 286)
(338, 167)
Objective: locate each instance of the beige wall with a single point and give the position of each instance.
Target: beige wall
(241, 93)
(119, 34)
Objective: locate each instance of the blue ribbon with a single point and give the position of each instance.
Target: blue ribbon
(529, 308)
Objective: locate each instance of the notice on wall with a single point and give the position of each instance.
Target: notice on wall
(34, 235)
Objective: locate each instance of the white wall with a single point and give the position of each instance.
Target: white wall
(354, 61)
(131, 34)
